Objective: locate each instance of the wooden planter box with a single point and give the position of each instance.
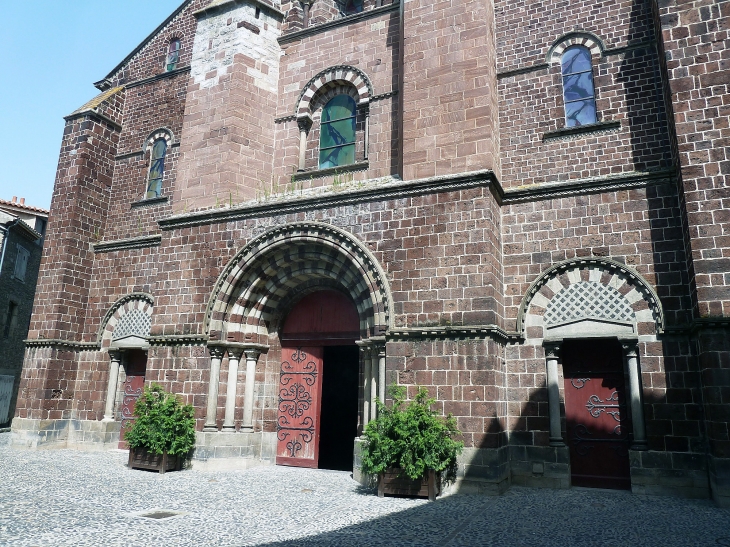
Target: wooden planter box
(139, 458)
(390, 483)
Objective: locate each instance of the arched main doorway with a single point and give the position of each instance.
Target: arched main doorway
(318, 383)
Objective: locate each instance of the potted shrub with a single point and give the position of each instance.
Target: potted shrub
(163, 433)
(409, 447)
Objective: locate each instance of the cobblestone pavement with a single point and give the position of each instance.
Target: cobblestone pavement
(64, 497)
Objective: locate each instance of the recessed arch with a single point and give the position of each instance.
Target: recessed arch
(137, 308)
(563, 293)
(276, 269)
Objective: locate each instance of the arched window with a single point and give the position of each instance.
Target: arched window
(353, 6)
(157, 168)
(578, 91)
(173, 54)
(337, 132)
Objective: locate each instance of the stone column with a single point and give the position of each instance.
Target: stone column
(381, 374)
(252, 357)
(229, 424)
(366, 111)
(302, 143)
(216, 355)
(631, 353)
(115, 358)
(552, 352)
(367, 401)
(374, 382)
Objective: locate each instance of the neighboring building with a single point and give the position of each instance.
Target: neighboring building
(276, 210)
(22, 228)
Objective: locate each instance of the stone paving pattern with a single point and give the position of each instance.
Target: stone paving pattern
(66, 497)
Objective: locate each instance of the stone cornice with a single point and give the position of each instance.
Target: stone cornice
(149, 202)
(130, 243)
(57, 343)
(344, 21)
(624, 181)
(321, 173)
(391, 190)
(178, 340)
(448, 332)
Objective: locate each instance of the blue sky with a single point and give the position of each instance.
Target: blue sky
(51, 53)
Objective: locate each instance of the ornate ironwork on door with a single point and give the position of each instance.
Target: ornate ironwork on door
(596, 414)
(297, 425)
(135, 368)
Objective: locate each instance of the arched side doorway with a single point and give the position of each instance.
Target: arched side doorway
(318, 383)
(589, 315)
(124, 335)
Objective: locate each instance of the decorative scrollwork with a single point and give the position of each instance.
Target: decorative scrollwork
(298, 356)
(579, 383)
(295, 401)
(596, 406)
(293, 446)
(581, 435)
(308, 373)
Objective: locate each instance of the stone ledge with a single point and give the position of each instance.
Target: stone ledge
(597, 128)
(130, 243)
(344, 21)
(329, 171)
(149, 202)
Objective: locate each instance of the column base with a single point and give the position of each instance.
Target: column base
(247, 429)
(210, 428)
(556, 441)
(228, 429)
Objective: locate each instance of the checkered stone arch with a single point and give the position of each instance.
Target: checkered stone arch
(130, 315)
(258, 286)
(590, 297)
(586, 39)
(336, 76)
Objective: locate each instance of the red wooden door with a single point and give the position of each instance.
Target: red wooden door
(598, 425)
(300, 386)
(136, 367)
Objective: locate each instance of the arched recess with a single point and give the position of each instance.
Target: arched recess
(275, 270)
(131, 315)
(588, 298)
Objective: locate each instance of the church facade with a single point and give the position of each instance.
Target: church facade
(278, 210)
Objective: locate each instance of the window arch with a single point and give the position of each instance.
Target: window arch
(337, 132)
(173, 54)
(157, 168)
(353, 6)
(578, 90)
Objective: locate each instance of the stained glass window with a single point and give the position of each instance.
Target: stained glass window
(353, 6)
(157, 169)
(173, 55)
(337, 132)
(578, 91)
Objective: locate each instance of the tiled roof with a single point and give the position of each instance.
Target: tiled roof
(17, 205)
(93, 104)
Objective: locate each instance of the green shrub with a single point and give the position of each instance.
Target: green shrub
(163, 424)
(414, 439)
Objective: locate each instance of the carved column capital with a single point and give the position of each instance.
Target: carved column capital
(304, 123)
(252, 354)
(115, 355)
(630, 347)
(235, 353)
(552, 350)
(216, 352)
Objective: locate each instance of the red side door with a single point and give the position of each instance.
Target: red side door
(598, 424)
(300, 387)
(136, 367)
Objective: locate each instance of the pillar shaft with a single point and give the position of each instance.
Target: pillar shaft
(216, 354)
(252, 357)
(551, 354)
(367, 381)
(111, 390)
(234, 356)
(637, 409)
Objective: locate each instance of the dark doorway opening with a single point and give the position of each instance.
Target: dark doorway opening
(338, 420)
(596, 413)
